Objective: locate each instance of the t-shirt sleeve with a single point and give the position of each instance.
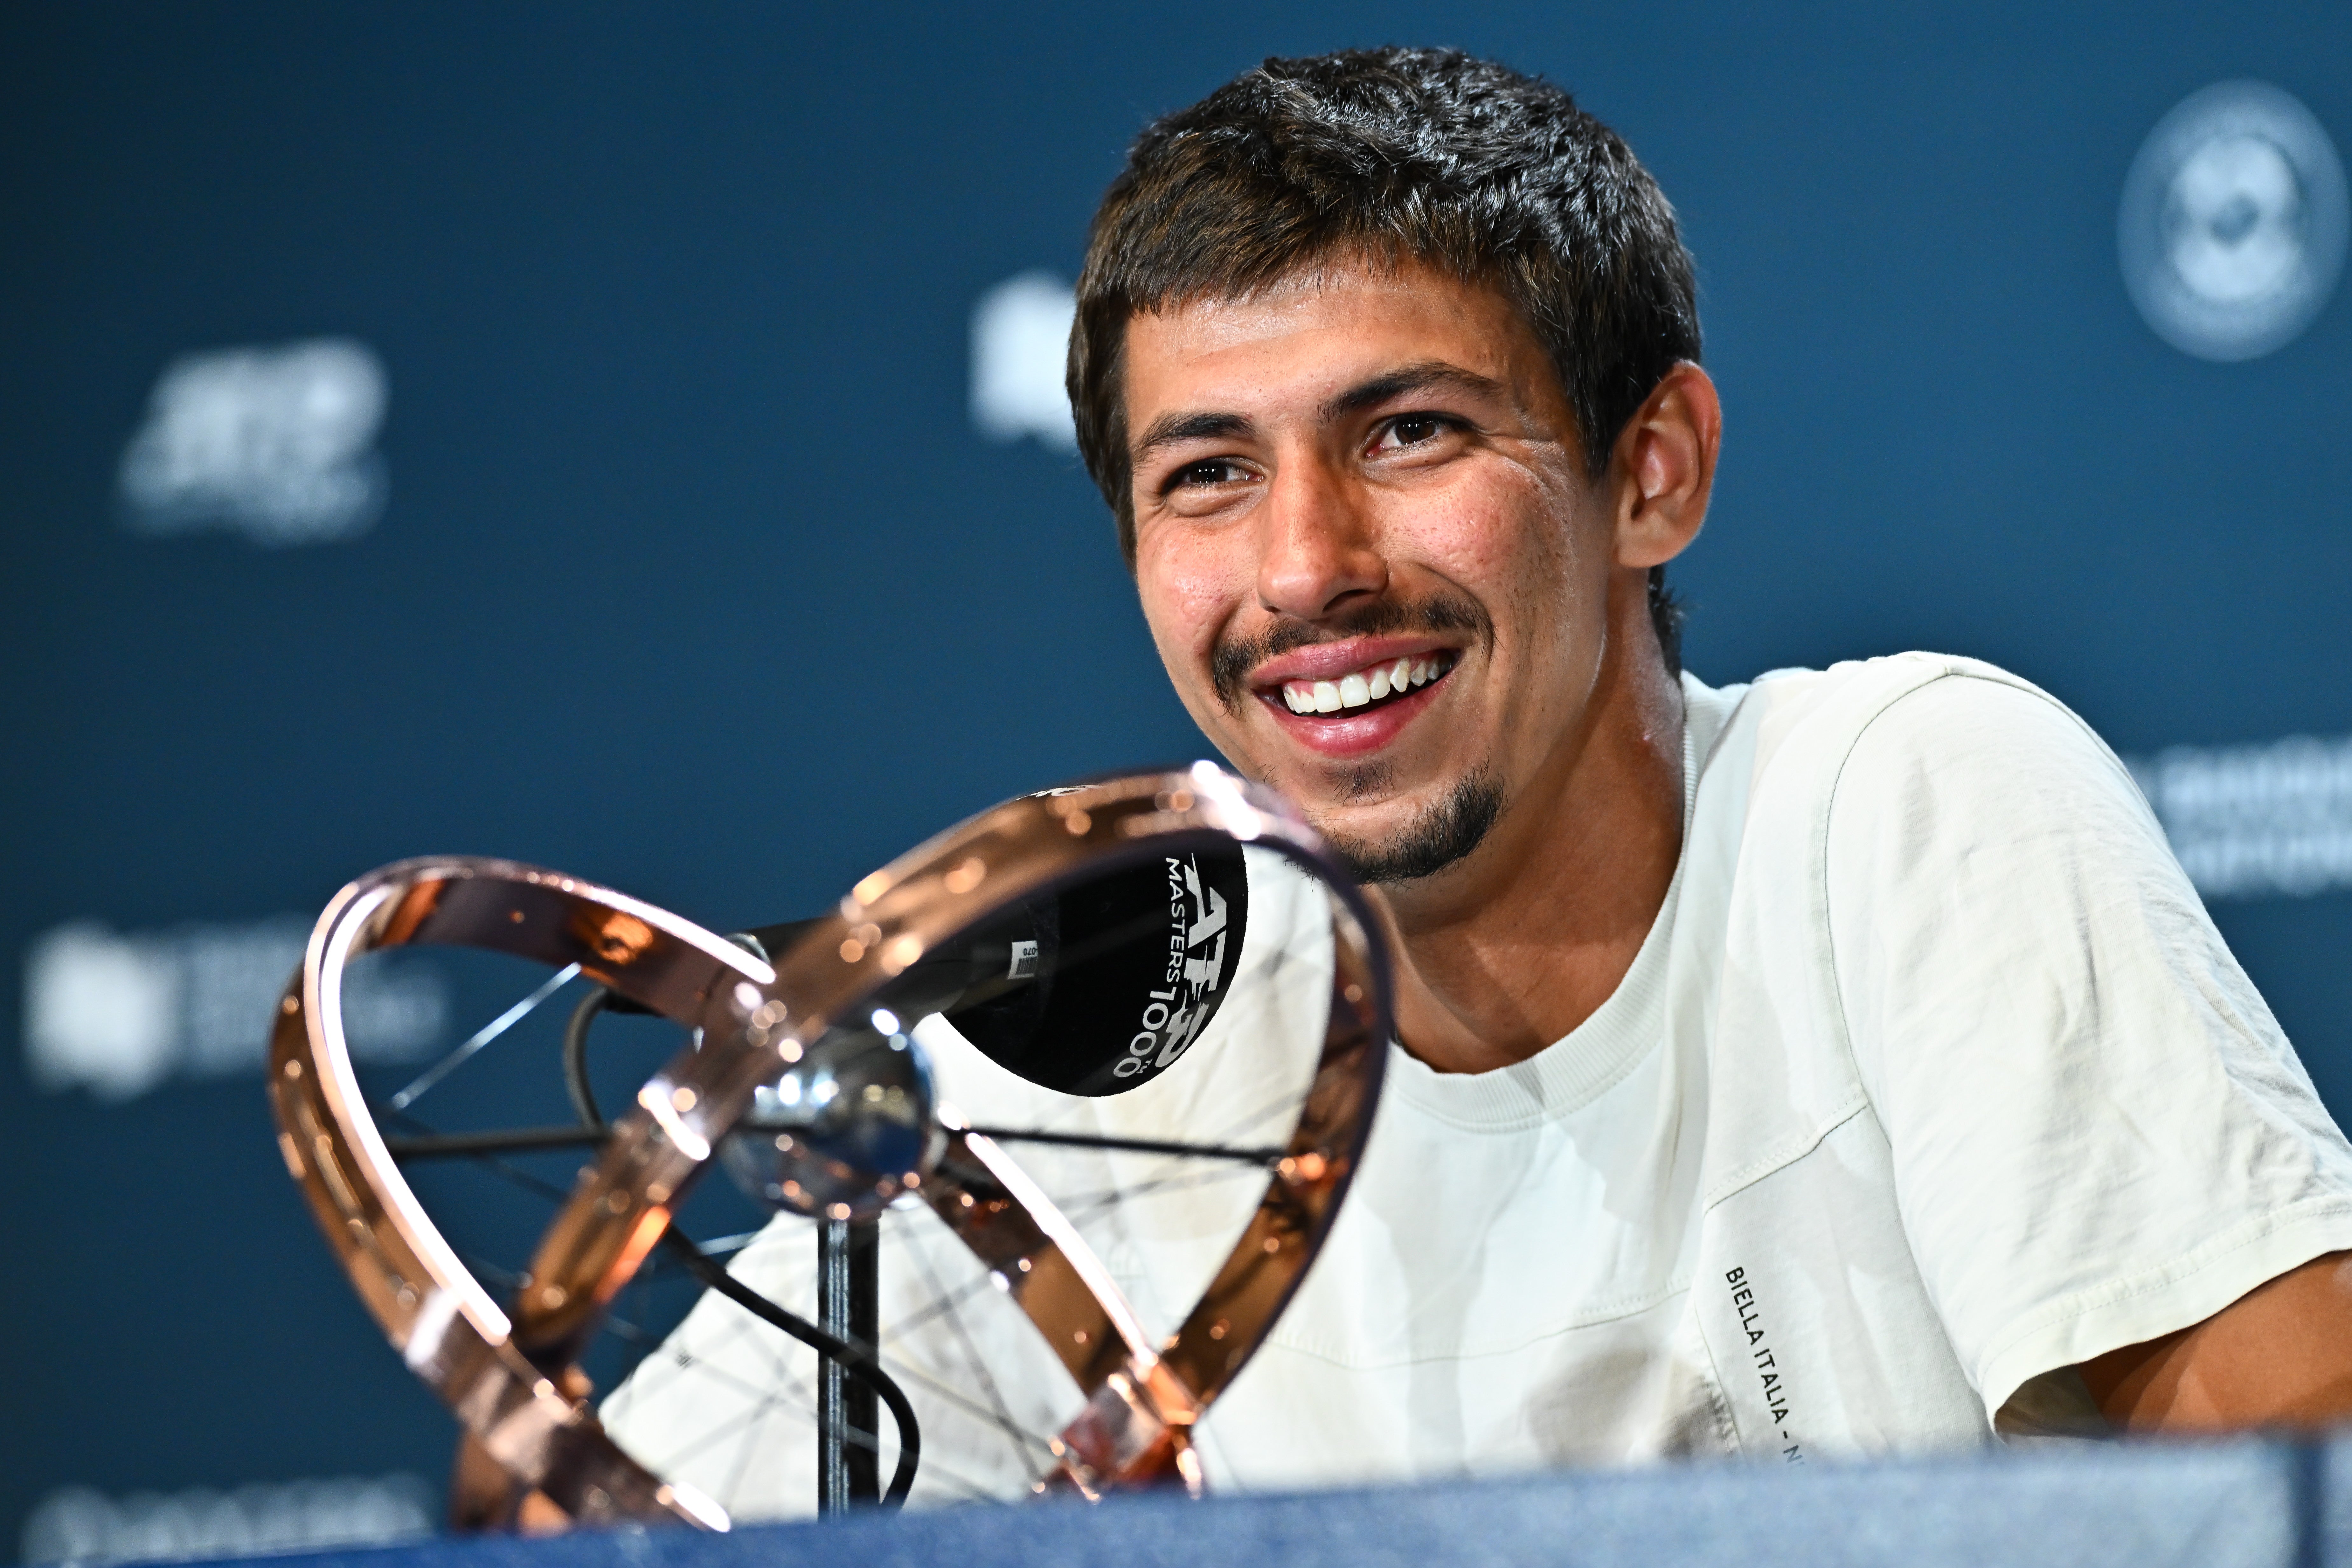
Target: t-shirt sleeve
(2099, 1133)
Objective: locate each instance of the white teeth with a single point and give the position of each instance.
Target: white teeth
(1359, 687)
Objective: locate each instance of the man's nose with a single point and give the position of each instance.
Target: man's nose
(1317, 550)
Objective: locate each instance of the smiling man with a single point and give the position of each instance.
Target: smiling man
(1835, 1063)
(1838, 1063)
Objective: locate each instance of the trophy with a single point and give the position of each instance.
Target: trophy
(1110, 1051)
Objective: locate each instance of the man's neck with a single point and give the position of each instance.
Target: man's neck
(1507, 952)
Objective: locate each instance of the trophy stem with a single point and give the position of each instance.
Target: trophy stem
(849, 1294)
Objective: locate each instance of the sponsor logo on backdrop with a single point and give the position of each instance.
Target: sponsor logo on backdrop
(2251, 821)
(1020, 334)
(121, 1014)
(2233, 221)
(79, 1525)
(277, 444)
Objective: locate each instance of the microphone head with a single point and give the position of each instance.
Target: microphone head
(1100, 985)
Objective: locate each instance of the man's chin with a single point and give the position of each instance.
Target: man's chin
(1430, 840)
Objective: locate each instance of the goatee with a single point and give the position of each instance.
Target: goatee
(1442, 834)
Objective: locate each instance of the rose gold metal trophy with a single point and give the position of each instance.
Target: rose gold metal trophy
(766, 1030)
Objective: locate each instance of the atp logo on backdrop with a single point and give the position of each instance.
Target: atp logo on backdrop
(2232, 227)
(277, 444)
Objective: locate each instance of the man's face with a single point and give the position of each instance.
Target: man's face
(1367, 552)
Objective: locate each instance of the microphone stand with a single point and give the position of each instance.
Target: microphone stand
(849, 1293)
(848, 1307)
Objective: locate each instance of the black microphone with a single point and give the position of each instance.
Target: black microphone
(1091, 988)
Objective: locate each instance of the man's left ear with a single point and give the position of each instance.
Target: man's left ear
(1664, 468)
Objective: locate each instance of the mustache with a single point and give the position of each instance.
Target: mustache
(1234, 657)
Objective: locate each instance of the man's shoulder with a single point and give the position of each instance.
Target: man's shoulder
(1799, 727)
(1796, 757)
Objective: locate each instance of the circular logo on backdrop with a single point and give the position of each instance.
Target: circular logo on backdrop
(2232, 227)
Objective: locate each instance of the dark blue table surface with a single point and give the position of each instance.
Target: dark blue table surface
(2245, 1502)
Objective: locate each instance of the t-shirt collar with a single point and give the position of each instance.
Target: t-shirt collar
(1572, 1072)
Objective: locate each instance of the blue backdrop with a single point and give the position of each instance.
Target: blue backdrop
(677, 559)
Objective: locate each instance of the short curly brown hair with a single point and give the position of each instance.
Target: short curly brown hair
(1429, 155)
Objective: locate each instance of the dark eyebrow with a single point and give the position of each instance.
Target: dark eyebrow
(1428, 375)
(1170, 429)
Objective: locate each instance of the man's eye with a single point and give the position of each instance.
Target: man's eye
(1202, 475)
(1414, 430)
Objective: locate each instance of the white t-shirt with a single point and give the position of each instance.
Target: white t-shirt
(1931, 1080)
